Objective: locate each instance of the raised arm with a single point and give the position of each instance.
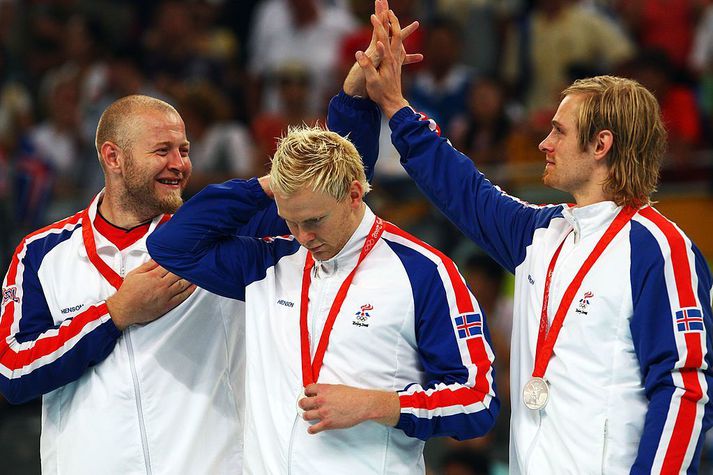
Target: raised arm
(205, 241)
(500, 224)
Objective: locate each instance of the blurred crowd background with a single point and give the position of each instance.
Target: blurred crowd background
(240, 72)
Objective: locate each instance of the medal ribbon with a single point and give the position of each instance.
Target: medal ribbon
(546, 339)
(311, 369)
(91, 246)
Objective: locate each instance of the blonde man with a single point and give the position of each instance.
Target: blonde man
(611, 347)
(351, 324)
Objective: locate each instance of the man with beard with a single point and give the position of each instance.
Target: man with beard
(121, 395)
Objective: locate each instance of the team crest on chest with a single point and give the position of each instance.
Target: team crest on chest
(9, 294)
(583, 305)
(361, 317)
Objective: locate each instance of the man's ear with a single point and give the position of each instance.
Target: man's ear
(356, 194)
(603, 142)
(110, 156)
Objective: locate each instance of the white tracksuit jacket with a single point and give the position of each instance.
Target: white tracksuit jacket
(630, 377)
(162, 398)
(412, 339)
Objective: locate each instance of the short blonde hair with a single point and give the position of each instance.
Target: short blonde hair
(118, 122)
(632, 114)
(316, 158)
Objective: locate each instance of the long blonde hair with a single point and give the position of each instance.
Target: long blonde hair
(632, 114)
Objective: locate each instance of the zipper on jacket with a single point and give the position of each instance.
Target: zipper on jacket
(137, 397)
(137, 388)
(604, 449)
(526, 468)
(289, 447)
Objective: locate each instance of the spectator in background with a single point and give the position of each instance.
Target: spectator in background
(701, 62)
(220, 147)
(293, 87)
(679, 108)
(178, 50)
(554, 38)
(304, 31)
(55, 153)
(483, 130)
(483, 23)
(440, 87)
(466, 461)
(666, 25)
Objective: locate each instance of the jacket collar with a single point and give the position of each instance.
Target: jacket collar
(590, 219)
(103, 244)
(348, 256)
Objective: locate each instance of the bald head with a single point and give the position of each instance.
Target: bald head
(123, 117)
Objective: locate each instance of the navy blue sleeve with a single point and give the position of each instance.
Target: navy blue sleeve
(36, 354)
(671, 331)
(265, 222)
(202, 242)
(359, 120)
(502, 225)
(457, 396)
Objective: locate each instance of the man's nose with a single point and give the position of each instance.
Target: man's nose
(303, 236)
(176, 161)
(546, 145)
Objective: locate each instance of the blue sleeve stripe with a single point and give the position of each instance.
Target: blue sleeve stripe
(453, 391)
(30, 252)
(20, 359)
(684, 418)
(25, 358)
(501, 225)
(461, 302)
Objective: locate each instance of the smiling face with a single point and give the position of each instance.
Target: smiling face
(319, 222)
(568, 168)
(156, 166)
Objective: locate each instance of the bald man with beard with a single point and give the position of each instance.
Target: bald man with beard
(139, 370)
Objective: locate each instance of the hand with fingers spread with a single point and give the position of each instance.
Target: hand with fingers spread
(336, 406)
(383, 84)
(355, 82)
(148, 292)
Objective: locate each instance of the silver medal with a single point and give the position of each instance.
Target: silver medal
(535, 393)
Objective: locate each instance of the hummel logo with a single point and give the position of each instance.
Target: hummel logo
(285, 303)
(530, 279)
